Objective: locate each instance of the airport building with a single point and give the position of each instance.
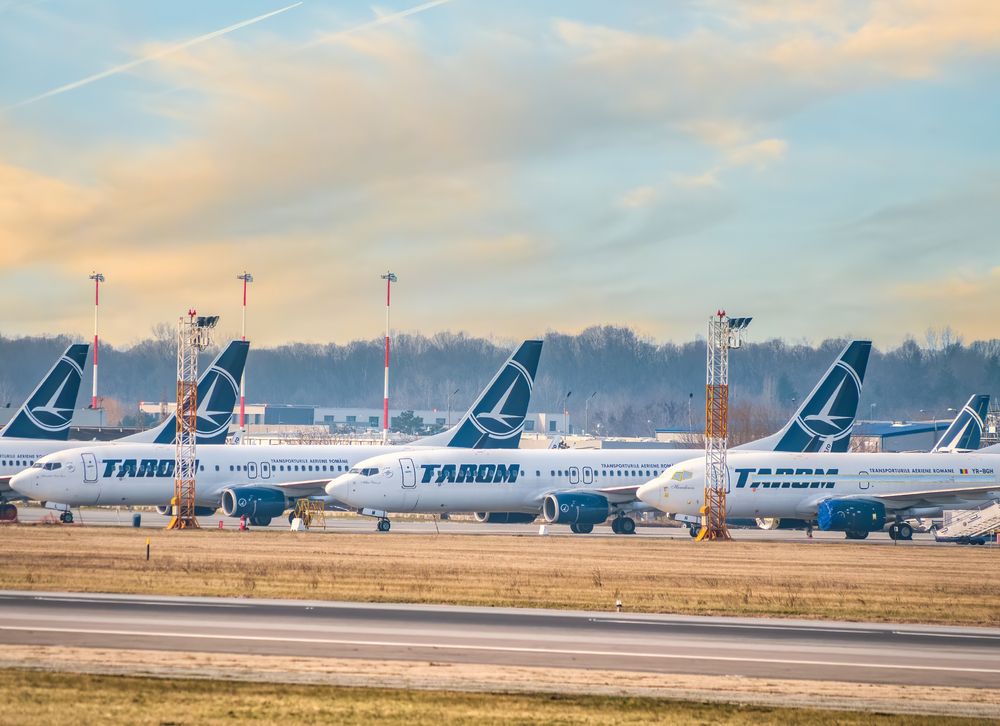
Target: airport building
(263, 416)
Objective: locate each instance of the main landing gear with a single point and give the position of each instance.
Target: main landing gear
(623, 525)
(581, 528)
(900, 530)
(856, 534)
(8, 513)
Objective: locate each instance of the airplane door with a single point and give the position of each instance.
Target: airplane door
(409, 484)
(863, 484)
(409, 473)
(89, 468)
(252, 470)
(265, 470)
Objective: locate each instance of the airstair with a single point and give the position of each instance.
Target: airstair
(970, 525)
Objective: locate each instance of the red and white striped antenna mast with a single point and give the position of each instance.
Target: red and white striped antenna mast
(98, 278)
(389, 277)
(246, 277)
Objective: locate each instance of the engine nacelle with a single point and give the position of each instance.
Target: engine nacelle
(771, 523)
(253, 502)
(847, 515)
(505, 517)
(570, 508)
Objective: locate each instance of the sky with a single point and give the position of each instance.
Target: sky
(831, 168)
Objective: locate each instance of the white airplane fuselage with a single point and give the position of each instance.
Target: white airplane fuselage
(143, 474)
(513, 480)
(774, 484)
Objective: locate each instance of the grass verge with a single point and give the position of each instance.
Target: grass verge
(846, 581)
(43, 698)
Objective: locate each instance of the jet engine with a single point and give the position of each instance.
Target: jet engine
(850, 515)
(575, 508)
(505, 517)
(259, 505)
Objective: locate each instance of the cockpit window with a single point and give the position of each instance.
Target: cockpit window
(366, 471)
(38, 465)
(681, 475)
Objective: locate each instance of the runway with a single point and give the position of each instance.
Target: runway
(813, 650)
(403, 525)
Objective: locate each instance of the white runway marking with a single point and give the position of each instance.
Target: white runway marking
(503, 649)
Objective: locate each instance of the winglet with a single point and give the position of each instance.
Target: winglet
(48, 412)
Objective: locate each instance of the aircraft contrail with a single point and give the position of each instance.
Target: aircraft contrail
(380, 20)
(159, 54)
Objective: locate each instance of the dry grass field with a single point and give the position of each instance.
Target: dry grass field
(42, 699)
(847, 581)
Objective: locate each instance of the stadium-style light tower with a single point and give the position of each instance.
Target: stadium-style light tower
(389, 278)
(98, 278)
(246, 277)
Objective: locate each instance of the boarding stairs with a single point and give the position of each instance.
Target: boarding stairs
(970, 523)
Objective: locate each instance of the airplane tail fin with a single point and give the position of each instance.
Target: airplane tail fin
(218, 392)
(966, 430)
(48, 412)
(496, 419)
(826, 417)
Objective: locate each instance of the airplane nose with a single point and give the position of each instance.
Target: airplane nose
(24, 482)
(655, 493)
(339, 489)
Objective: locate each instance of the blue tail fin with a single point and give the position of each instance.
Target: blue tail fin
(218, 391)
(48, 411)
(825, 419)
(496, 419)
(966, 430)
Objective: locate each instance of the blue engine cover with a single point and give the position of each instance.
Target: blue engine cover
(253, 502)
(506, 517)
(842, 515)
(570, 508)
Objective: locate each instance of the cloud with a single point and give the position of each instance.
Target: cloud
(758, 154)
(638, 197)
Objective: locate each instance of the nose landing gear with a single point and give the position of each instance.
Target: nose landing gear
(383, 525)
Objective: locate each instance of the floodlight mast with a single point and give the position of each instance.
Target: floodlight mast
(98, 278)
(723, 333)
(246, 277)
(193, 336)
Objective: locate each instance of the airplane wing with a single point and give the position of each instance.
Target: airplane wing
(303, 488)
(934, 497)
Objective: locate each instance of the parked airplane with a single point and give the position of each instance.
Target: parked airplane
(578, 487)
(853, 493)
(218, 390)
(260, 481)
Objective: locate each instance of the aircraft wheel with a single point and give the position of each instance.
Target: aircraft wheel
(66, 518)
(616, 525)
(626, 525)
(8, 512)
(573, 529)
(291, 516)
(905, 532)
(894, 531)
(857, 534)
(693, 531)
(584, 528)
(384, 525)
(260, 521)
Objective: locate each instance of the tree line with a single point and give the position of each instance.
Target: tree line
(640, 384)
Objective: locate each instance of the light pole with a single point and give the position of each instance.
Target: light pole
(98, 278)
(586, 413)
(389, 278)
(566, 412)
(246, 277)
(449, 404)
